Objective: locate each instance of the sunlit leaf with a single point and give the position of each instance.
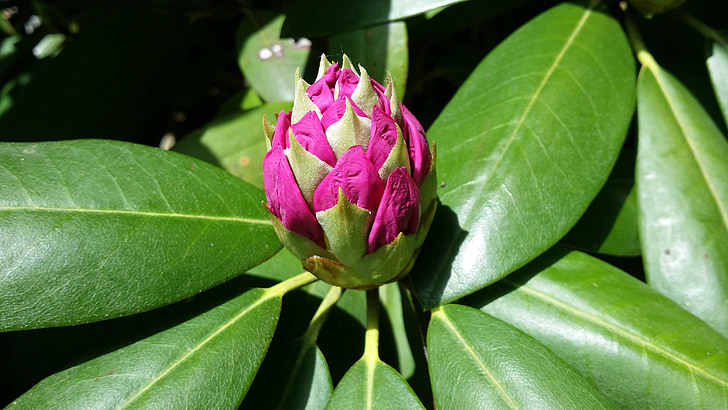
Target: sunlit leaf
(718, 69)
(524, 147)
(639, 347)
(477, 361)
(682, 181)
(99, 229)
(206, 362)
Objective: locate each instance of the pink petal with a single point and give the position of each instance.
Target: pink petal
(419, 150)
(280, 134)
(337, 110)
(398, 212)
(347, 82)
(310, 134)
(285, 199)
(356, 176)
(322, 91)
(383, 137)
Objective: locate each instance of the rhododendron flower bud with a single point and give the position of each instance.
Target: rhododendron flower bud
(349, 178)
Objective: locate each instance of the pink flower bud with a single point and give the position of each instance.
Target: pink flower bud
(349, 179)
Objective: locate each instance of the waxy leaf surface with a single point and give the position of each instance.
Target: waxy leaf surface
(682, 185)
(478, 361)
(373, 385)
(100, 229)
(206, 362)
(524, 146)
(640, 348)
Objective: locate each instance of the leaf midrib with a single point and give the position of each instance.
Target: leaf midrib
(446, 320)
(481, 187)
(615, 329)
(136, 213)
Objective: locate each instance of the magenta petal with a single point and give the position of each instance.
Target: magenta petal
(310, 134)
(285, 199)
(383, 137)
(347, 82)
(398, 212)
(280, 134)
(356, 176)
(419, 150)
(337, 110)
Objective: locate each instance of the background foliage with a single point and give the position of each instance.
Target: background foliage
(578, 257)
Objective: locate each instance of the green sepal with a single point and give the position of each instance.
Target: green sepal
(308, 169)
(324, 65)
(334, 273)
(301, 102)
(428, 195)
(398, 157)
(391, 93)
(300, 246)
(425, 222)
(350, 130)
(391, 261)
(268, 129)
(346, 227)
(364, 96)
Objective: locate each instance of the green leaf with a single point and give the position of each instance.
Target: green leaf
(682, 185)
(718, 68)
(234, 142)
(609, 225)
(206, 362)
(391, 300)
(293, 376)
(315, 18)
(524, 146)
(639, 347)
(477, 361)
(268, 61)
(379, 49)
(100, 229)
(372, 384)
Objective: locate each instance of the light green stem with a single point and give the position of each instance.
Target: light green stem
(643, 55)
(290, 284)
(702, 28)
(321, 313)
(371, 343)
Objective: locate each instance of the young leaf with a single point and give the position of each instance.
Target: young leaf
(100, 229)
(477, 361)
(235, 142)
(372, 384)
(639, 347)
(524, 147)
(682, 185)
(206, 362)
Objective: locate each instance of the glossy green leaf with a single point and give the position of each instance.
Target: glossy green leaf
(268, 61)
(379, 49)
(609, 225)
(234, 142)
(524, 146)
(718, 69)
(373, 385)
(391, 300)
(314, 18)
(293, 376)
(206, 362)
(682, 185)
(477, 361)
(100, 229)
(639, 347)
